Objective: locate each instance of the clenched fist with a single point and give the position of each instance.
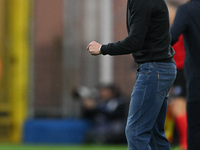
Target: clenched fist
(94, 48)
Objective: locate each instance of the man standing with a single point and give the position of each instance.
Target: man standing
(149, 42)
(187, 22)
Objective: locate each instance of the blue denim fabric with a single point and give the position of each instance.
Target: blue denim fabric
(148, 107)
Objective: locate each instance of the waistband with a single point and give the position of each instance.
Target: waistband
(170, 60)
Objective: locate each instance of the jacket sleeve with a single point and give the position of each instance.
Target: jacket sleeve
(179, 25)
(140, 12)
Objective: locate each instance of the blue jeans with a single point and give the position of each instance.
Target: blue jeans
(148, 107)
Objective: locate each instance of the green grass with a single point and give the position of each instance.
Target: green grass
(61, 147)
(65, 147)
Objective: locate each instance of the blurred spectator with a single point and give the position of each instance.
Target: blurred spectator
(108, 113)
(178, 94)
(187, 22)
(177, 104)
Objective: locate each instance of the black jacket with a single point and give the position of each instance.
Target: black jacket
(148, 33)
(187, 22)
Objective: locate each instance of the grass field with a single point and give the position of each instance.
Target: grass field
(65, 147)
(61, 147)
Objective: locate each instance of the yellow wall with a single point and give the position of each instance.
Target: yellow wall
(15, 63)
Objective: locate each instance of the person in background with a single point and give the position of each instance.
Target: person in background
(176, 113)
(177, 103)
(148, 41)
(176, 121)
(187, 22)
(107, 112)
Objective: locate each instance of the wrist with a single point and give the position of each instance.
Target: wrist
(100, 49)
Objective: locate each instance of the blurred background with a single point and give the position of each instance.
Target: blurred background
(46, 72)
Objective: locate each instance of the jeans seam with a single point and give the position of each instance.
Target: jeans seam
(158, 84)
(142, 103)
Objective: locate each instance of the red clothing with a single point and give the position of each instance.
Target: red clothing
(181, 124)
(179, 53)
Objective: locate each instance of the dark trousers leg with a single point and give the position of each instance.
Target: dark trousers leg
(193, 113)
(193, 120)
